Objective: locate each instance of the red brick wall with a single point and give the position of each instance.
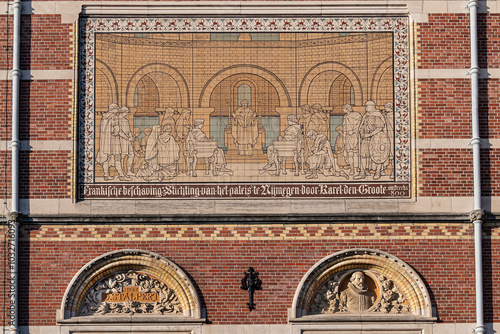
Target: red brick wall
(489, 108)
(6, 42)
(44, 174)
(445, 172)
(445, 41)
(5, 109)
(5, 173)
(446, 265)
(445, 108)
(488, 40)
(491, 263)
(490, 172)
(46, 110)
(46, 43)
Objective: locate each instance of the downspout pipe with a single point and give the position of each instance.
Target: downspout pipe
(477, 215)
(14, 215)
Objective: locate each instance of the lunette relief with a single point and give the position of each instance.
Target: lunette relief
(350, 293)
(130, 293)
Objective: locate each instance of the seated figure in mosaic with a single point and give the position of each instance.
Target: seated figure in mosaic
(292, 134)
(198, 145)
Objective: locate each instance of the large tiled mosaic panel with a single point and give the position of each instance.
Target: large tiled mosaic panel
(244, 108)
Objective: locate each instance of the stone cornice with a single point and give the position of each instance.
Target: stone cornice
(70, 10)
(254, 219)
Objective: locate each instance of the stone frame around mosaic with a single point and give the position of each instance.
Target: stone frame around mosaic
(89, 26)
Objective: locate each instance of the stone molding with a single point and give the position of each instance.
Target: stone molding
(476, 215)
(426, 143)
(420, 74)
(123, 268)
(69, 9)
(453, 73)
(412, 302)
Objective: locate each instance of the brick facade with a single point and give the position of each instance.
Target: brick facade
(59, 234)
(216, 256)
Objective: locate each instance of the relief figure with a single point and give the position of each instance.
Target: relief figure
(320, 121)
(167, 117)
(304, 120)
(162, 155)
(356, 297)
(126, 139)
(168, 154)
(322, 158)
(144, 140)
(110, 143)
(374, 142)
(350, 125)
(182, 127)
(151, 155)
(383, 296)
(244, 130)
(340, 148)
(139, 152)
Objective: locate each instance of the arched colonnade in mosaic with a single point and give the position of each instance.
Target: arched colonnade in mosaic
(341, 80)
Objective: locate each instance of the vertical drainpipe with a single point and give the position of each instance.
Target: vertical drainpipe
(477, 214)
(14, 216)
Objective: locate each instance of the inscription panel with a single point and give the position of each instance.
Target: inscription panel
(131, 294)
(139, 332)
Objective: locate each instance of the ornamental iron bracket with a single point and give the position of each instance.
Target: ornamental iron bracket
(251, 282)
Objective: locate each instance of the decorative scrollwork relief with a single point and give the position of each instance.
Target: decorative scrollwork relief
(350, 292)
(392, 300)
(129, 293)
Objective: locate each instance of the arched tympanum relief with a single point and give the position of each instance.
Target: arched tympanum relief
(362, 282)
(134, 283)
(131, 292)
